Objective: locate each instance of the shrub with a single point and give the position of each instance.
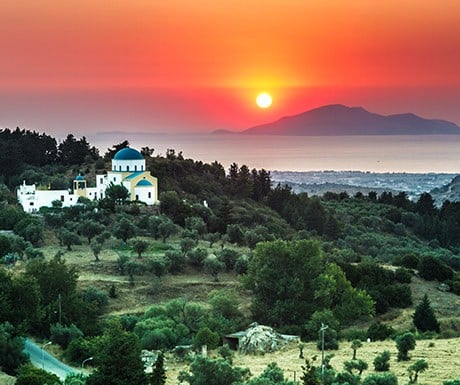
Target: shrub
(113, 291)
(80, 349)
(403, 275)
(379, 331)
(97, 297)
(241, 265)
(409, 261)
(382, 362)
(354, 334)
(29, 375)
(347, 378)
(64, 335)
(206, 336)
(431, 269)
(197, 256)
(176, 261)
(226, 353)
(229, 258)
(381, 379)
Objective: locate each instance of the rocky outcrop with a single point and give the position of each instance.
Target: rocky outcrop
(261, 339)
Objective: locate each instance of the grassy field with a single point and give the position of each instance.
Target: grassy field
(442, 355)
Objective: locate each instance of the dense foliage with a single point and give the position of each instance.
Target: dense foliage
(307, 261)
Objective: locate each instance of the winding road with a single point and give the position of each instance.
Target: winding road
(43, 360)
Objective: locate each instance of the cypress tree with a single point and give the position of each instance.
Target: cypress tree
(424, 318)
(158, 376)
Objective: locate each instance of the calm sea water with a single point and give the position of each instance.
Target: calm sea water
(414, 154)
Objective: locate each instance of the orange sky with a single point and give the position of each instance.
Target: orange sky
(214, 56)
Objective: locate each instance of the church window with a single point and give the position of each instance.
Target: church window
(62, 198)
(150, 194)
(31, 203)
(119, 168)
(135, 167)
(127, 168)
(137, 197)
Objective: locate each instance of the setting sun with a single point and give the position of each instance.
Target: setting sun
(264, 100)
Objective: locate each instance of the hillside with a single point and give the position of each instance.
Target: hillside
(441, 354)
(339, 120)
(450, 191)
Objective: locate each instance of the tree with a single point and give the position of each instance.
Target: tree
(30, 375)
(211, 238)
(166, 229)
(158, 375)
(315, 323)
(73, 151)
(404, 343)
(355, 345)
(118, 359)
(214, 266)
(124, 230)
(417, 367)
(309, 375)
(206, 336)
(140, 246)
(57, 284)
(382, 362)
(235, 234)
(12, 349)
(281, 274)
(197, 256)
(358, 365)
(68, 238)
(196, 224)
(424, 318)
(187, 244)
(90, 229)
(117, 193)
(158, 265)
(96, 248)
(205, 371)
(272, 375)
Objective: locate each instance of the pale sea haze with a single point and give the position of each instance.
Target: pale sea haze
(407, 153)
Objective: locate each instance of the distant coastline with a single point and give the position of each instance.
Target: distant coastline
(408, 153)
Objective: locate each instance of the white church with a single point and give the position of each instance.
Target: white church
(128, 170)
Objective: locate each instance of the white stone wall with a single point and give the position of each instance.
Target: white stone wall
(145, 194)
(32, 199)
(128, 165)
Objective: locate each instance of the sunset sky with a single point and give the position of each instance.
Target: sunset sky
(197, 65)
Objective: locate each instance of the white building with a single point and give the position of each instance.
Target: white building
(128, 169)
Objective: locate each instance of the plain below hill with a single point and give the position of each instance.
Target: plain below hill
(337, 119)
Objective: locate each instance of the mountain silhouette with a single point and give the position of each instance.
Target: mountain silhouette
(337, 119)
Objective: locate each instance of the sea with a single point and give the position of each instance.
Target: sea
(378, 154)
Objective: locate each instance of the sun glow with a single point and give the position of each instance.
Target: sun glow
(264, 100)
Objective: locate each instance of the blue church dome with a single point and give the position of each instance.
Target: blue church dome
(144, 182)
(79, 177)
(128, 153)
